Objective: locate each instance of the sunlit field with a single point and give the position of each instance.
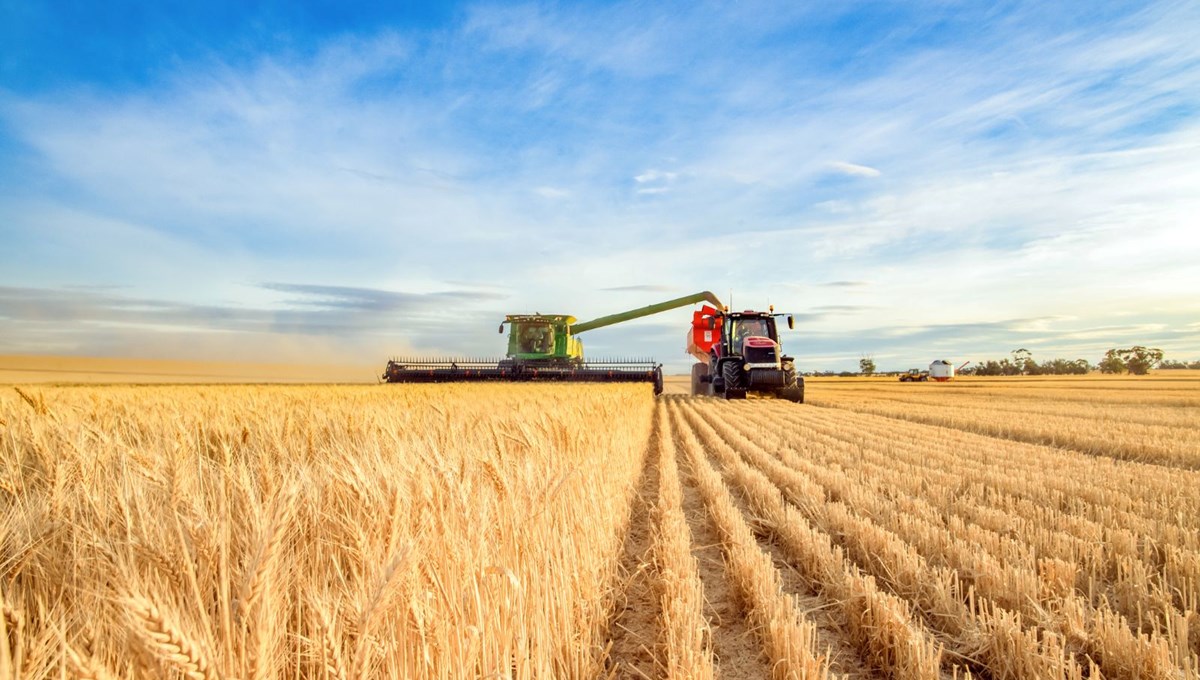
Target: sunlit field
(991, 528)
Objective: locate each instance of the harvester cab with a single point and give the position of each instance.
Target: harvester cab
(741, 352)
(541, 337)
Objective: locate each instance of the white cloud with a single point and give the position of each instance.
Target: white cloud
(655, 176)
(853, 169)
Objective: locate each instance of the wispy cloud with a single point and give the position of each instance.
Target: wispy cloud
(845, 284)
(853, 169)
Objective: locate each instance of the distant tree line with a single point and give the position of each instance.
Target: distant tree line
(1137, 360)
(1171, 365)
(1023, 363)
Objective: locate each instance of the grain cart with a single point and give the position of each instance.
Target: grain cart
(739, 353)
(544, 347)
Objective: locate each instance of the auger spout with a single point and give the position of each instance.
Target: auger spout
(646, 311)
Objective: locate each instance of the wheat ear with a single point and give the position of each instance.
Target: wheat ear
(163, 639)
(85, 667)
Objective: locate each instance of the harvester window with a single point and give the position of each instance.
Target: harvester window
(536, 339)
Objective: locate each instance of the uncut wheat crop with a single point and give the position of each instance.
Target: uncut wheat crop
(980, 528)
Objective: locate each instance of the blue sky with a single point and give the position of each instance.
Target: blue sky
(914, 179)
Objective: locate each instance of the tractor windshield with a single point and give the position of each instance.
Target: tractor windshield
(748, 328)
(535, 338)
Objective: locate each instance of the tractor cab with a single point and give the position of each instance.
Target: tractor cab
(747, 325)
(753, 336)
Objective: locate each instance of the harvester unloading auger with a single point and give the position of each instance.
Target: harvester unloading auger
(544, 347)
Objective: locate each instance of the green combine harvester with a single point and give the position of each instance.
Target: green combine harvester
(545, 347)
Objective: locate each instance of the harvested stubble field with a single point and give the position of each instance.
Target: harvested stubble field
(991, 529)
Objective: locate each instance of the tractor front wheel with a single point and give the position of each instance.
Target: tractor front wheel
(735, 385)
(793, 387)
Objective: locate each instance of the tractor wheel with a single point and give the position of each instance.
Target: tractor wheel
(699, 386)
(735, 387)
(793, 388)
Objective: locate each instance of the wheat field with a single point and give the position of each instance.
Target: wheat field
(978, 528)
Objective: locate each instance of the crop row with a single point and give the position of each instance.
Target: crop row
(1124, 606)
(1166, 436)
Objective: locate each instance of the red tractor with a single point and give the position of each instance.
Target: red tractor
(739, 352)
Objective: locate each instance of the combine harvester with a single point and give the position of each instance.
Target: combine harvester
(740, 352)
(545, 347)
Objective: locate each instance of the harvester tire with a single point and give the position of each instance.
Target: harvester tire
(700, 387)
(731, 372)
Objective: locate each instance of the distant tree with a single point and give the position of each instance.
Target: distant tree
(1023, 360)
(991, 367)
(1009, 368)
(1112, 362)
(1064, 367)
(1139, 360)
(866, 366)
(1172, 365)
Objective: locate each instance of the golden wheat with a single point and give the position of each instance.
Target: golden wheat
(907, 531)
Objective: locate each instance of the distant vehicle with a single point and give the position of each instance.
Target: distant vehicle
(914, 375)
(942, 370)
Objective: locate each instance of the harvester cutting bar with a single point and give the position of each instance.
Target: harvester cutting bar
(478, 370)
(452, 362)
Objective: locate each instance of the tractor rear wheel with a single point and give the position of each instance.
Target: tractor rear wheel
(700, 387)
(735, 386)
